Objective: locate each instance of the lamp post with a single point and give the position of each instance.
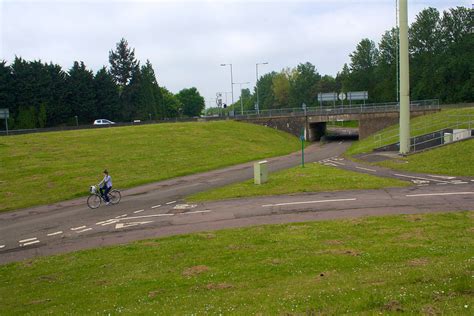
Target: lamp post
(404, 80)
(241, 101)
(231, 80)
(256, 85)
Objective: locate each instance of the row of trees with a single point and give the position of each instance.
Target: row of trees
(441, 67)
(42, 95)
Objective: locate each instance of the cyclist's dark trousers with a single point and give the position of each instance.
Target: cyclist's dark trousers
(105, 193)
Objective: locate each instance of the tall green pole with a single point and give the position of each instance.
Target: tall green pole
(302, 148)
(404, 80)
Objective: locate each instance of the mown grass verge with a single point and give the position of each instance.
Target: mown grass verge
(312, 178)
(49, 167)
(418, 264)
(419, 125)
(455, 160)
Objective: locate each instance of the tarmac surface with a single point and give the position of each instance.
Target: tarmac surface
(158, 209)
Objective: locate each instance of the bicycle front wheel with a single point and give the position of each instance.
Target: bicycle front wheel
(115, 196)
(93, 201)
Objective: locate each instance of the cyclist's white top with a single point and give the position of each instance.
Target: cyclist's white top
(107, 181)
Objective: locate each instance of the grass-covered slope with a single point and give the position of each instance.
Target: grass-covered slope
(418, 126)
(455, 160)
(48, 167)
(417, 264)
(312, 178)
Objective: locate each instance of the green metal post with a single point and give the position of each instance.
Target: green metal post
(302, 148)
(404, 81)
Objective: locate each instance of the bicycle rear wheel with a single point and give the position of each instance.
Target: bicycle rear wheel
(93, 201)
(115, 196)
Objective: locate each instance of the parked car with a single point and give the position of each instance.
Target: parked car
(103, 122)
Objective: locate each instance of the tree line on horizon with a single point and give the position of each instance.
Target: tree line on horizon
(441, 67)
(41, 94)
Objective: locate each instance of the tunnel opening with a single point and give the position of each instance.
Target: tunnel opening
(334, 130)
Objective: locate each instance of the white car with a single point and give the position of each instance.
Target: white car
(103, 122)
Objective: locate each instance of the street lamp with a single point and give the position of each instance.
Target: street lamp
(241, 102)
(231, 80)
(256, 85)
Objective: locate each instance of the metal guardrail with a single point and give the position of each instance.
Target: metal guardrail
(340, 109)
(450, 122)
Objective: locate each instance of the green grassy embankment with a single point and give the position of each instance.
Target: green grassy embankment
(417, 264)
(455, 160)
(313, 178)
(419, 125)
(49, 167)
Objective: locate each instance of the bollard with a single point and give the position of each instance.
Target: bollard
(260, 172)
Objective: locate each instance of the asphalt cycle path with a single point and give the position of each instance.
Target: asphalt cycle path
(20, 230)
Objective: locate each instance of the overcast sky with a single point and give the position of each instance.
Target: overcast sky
(186, 41)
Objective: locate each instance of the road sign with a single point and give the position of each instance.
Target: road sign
(357, 95)
(4, 113)
(342, 96)
(322, 97)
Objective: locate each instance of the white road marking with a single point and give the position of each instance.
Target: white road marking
(196, 212)
(139, 211)
(123, 225)
(120, 216)
(441, 183)
(472, 180)
(460, 182)
(338, 163)
(156, 206)
(442, 177)
(84, 230)
(110, 221)
(330, 164)
(145, 216)
(27, 240)
(2, 246)
(30, 243)
(55, 233)
(402, 175)
(440, 194)
(308, 202)
(366, 169)
(184, 206)
(170, 202)
(77, 228)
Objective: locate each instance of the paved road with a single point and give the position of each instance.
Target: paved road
(157, 210)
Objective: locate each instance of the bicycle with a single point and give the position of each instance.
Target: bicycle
(95, 198)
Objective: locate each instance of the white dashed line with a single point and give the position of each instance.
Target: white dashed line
(77, 228)
(110, 221)
(308, 202)
(442, 177)
(55, 233)
(460, 182)
(2, 246)
(156, 206)
(440, 194)
(330, 164)
(139, 211)
(27, 240)
(30, 243)
(197, 212)
(84, 230)
(170, 202)
(338, 163)
(366, 169)
(146, 216)
(120, 216)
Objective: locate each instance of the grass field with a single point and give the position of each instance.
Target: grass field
(418, 126)
(48, 167)
(313, 178)
(455, 160)
(417, 264)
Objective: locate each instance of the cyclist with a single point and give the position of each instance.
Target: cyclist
(105, 186)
